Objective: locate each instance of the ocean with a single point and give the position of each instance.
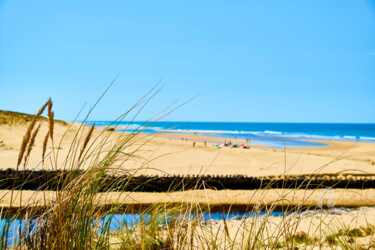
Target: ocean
(276, 135)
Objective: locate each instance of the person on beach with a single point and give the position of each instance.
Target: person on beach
(205, 144)
(193, 144)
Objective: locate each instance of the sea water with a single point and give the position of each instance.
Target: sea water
(276, 135)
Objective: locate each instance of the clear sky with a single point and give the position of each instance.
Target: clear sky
(252, 61)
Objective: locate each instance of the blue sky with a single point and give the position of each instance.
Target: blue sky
(251, 61)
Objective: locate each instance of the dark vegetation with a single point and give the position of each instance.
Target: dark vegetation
(13, 118)
(44, 179)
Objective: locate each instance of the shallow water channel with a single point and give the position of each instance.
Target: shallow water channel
(118, 221)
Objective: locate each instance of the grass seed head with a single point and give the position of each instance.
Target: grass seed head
(27, 135)
(45, 142)
(51, 124)
(31, 144)
(50, 117)
(86, 140)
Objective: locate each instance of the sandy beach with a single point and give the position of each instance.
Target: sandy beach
(167, 154)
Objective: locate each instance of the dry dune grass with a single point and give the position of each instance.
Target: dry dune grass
(67, 219)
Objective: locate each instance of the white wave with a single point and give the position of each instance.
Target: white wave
(215, 131)
(314, 137)
(273, 132)
(367, 138)
(350, 137)
(241, 133)
(205, 131)
(127, 126)
(156, 128)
